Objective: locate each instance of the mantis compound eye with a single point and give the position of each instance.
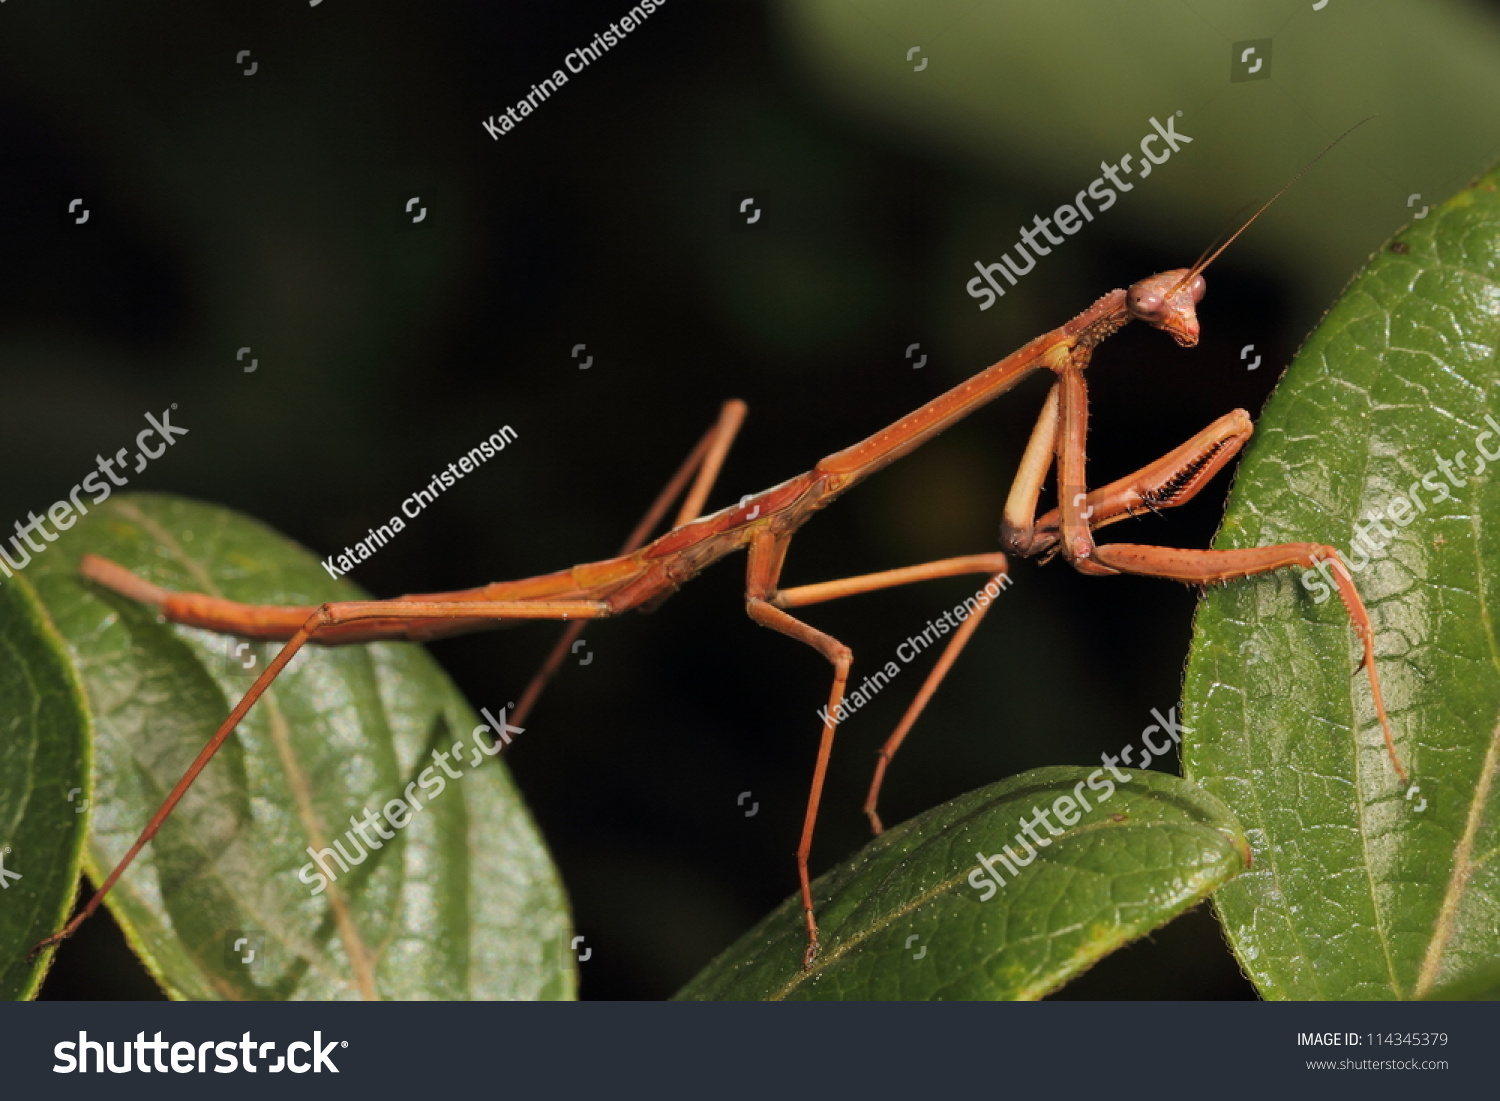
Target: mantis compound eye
(1144, 304)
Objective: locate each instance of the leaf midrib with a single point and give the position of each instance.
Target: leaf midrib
(1463, 869)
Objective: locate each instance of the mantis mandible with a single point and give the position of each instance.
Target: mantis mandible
(645, 573)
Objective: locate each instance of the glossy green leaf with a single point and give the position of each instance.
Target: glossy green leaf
(1482, 984)
(44, 785)
(1364, 888)
(912, 916)
(462, 902)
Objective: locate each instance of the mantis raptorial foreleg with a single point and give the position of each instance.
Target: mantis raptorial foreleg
(1194, 567)
(1172, 480)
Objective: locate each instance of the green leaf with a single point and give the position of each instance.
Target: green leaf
(1363, 888)
(44, 785)
(461, 903)
(904, 918)
(1480, 985)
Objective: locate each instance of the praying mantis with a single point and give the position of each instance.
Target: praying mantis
(648, 570)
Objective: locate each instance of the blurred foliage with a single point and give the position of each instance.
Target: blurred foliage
(1048, 90)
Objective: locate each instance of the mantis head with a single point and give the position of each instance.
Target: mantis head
(1169, 301)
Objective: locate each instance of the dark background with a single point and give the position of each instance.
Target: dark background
(264, 211)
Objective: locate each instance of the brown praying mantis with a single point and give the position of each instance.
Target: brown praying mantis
(645, 573)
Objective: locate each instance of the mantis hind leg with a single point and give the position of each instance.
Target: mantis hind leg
(328, 617)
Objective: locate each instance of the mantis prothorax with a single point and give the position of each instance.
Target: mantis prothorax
(645, 573)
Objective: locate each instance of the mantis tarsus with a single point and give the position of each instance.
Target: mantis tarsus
(646, 573)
